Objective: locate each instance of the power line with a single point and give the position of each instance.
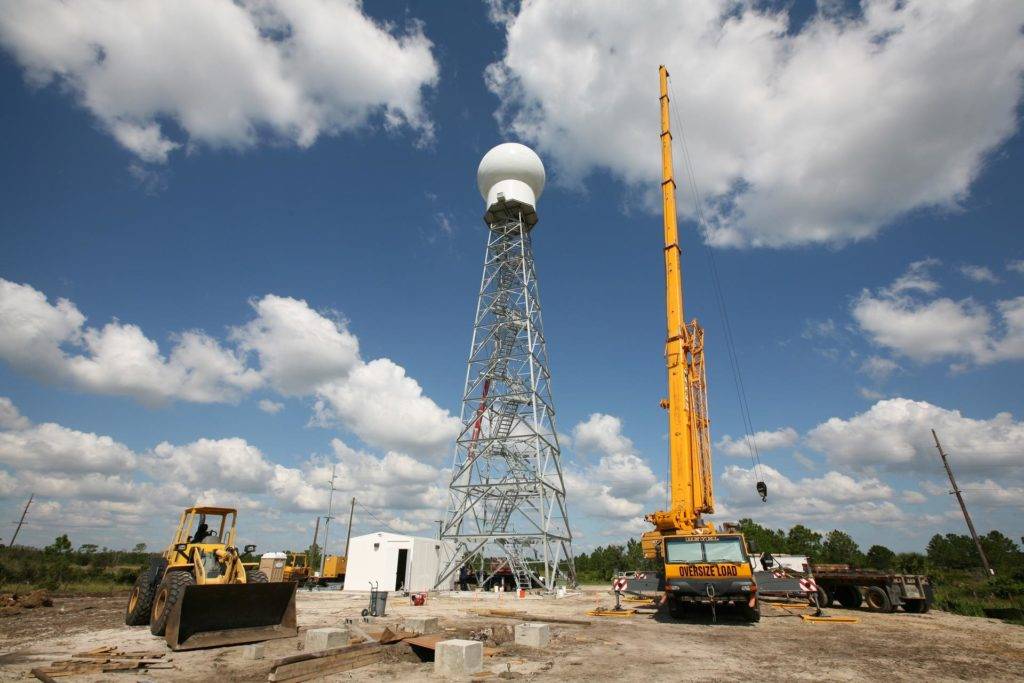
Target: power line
(741, 393)
(379, 521)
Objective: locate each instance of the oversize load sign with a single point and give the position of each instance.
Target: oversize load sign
(708, 570)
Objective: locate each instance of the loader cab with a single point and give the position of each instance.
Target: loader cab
(206, 526)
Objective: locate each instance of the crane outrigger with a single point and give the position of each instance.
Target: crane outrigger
(701, 564)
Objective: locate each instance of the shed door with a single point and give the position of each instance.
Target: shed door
(403, 558)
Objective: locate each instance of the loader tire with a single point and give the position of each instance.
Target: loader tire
(255, 576)
(169, 594)
(140, 602)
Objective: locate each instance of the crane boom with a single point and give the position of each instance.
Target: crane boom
(701, 565)
(690, 481)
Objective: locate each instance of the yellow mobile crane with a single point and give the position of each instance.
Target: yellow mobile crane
(700, 563)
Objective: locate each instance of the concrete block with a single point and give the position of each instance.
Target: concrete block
(254, 651)
(421, 625)
(326, 638)
(533, 635)
(457, 658)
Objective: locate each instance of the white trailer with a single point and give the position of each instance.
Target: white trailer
(392, 562)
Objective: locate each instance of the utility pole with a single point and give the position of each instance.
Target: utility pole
(22, 520)
(348, 536)
(327, 521)
(316, 533)
(963, 506)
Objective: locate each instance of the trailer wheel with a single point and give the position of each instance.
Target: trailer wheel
(915, 606)
(169, 594)
(849, 597)
(878, 599)
(824, 598)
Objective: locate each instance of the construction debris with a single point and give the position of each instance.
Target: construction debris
(311, 665)
(599, 612)
(103, 660)
(838, 620)
(12, 604)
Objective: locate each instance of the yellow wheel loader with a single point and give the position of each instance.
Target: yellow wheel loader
(198, 593)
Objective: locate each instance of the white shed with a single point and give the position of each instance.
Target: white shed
(396, 562)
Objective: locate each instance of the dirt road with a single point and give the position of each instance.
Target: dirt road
(936, 646)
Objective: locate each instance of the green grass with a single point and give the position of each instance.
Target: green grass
(89, 587)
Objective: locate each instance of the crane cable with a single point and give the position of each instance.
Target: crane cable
(737, 375)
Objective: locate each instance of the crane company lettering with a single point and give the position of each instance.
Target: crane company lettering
(708, 570)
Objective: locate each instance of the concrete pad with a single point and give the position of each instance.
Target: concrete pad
(421, 625)
(326, 638)
(254, 651)
(457, 658)
(533, 635)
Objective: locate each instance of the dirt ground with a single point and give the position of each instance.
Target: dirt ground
(936, 646)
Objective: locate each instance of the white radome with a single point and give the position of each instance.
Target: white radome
(513, 171)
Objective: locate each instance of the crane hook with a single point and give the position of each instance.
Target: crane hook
(762, 490)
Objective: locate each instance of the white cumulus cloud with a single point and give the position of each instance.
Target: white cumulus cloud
(213, 463)
(51, 447)
(51, 341)
(979, 273)
(896, 434)
(904, 319)
(298, 348)
(160, 76)
(797, 137)
(766, 441)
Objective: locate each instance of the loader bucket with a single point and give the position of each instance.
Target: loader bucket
(231, 614)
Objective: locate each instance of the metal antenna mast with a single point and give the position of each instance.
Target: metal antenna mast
(507, 494)
(327, 520)
(963, 506)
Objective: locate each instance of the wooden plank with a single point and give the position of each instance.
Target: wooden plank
(317, 667)
(503, 614)
(428, 641)
(43, 676)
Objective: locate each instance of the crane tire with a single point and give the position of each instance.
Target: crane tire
(849, 597)
(169, 594)
(255, 576)
(915, 606)
(140, 602)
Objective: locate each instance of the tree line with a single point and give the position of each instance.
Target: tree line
(943, 552)
(60, 564)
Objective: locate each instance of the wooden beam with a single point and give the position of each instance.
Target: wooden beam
(316, 664)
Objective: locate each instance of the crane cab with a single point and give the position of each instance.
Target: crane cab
(710, 569)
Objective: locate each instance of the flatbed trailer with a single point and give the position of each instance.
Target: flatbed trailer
(880, 591)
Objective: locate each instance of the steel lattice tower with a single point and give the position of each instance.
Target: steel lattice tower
(507, 495)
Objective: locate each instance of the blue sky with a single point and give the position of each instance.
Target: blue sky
(340, 205)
